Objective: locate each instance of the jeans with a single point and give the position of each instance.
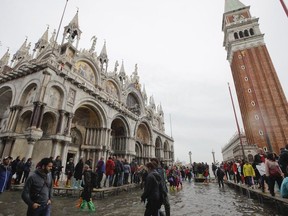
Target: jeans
(43, 210)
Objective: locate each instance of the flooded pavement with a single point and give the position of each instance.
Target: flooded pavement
(192, 199)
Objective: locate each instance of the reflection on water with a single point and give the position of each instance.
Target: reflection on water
(193, 199)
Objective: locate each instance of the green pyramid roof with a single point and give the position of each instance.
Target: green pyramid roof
(232, 5)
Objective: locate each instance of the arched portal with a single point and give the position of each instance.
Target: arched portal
(143, 137)
(138, 150)
(158, 148)
(48, 124)
(133, 103)
(120, 139)
(87, 132)
(166, 150)
(23, 122)
(5, 98)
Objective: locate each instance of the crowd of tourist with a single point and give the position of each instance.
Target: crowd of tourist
(263, 172)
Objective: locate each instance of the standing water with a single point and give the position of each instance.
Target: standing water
(193, 199)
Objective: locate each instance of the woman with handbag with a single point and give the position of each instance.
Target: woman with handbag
(273, 173)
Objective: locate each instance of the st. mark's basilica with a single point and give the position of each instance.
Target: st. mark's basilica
(57, 99)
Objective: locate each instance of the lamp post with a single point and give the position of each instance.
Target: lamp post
(190, 157)
(213, 154)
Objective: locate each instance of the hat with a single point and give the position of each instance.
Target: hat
(6, 158)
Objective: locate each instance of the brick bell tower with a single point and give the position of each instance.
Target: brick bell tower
(262, 102)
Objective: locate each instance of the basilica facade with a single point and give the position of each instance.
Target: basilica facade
(59, 100)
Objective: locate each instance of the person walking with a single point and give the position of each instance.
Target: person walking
(284, 188)
(87, 191)
(283, 160)
(151, 192)
(133, 166)
(78, 173)
(20, 170)
(57, 170)
(27, 169)
(69, 170)
(5, 173)
(100, 170)
(37, 191)
(110, 166)
(127, 171)
(220, 176)
(160, 169)
(249, 173)
(273, 173)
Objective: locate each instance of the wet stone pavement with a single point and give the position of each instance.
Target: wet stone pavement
(193, 199)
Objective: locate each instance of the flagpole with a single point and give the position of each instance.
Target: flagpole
(59, 26)
(238, 128)
(284, 7)
(170, 125)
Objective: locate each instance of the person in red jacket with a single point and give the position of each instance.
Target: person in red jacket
(109, 172)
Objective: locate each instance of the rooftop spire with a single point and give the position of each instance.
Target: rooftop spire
(233, 5)
(122, 70)
(103, 53)
(74, 22)
(43, 41)
(72, 32)
(151, 102)
(5, 59)
(22, 52)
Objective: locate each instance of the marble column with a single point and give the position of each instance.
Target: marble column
(41, 113)
(16, 116)
(9, 119)
(31, 143)
(69, 122)
(60, 122)
(35, 114)
(8, 144)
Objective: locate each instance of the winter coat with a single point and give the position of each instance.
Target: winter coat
(100, 167)
(151, 189)
(37, 188)
(5, 173)
(248, 170)
(283, 160)
(269, 164)
(284, 188)
(110, 166)
(127, 168)
(78, 170)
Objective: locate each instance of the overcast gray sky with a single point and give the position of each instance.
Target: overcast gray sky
(177, 45)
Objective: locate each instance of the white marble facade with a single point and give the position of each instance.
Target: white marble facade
(59, 100)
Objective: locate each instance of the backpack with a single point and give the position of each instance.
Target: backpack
(162, 191)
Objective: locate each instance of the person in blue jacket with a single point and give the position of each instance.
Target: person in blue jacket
(5, 173)
(284, 188)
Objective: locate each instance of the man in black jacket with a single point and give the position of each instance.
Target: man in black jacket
(37, 190)
(162, 173)
(283, 160)
(152, 191)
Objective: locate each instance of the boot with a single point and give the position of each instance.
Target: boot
(91, 206)
(68, 183)
(84, 204)
(55, 183)
(78, 205)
